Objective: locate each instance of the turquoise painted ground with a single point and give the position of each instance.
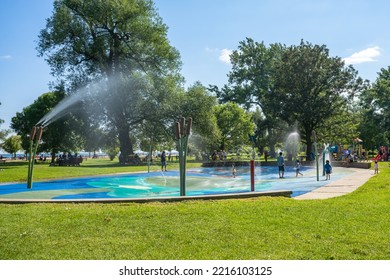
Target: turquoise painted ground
(200, 181)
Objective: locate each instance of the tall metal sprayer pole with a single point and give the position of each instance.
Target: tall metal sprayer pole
(30, 159)
(150, 153)
(316, 154)
(183, 131)
(36, 133)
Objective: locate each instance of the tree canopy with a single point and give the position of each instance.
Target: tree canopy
(122, 46)
(12, 144)
(121, 41)
(375, 111)
(235, 125)
(59, 136)
(87, 38)
(3, 132)
(301, 85)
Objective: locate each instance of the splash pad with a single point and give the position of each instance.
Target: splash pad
(202, 183)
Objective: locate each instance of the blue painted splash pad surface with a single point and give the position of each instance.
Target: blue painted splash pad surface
(200, 181)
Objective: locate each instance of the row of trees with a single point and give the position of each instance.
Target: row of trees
(216, 126)
(297, 88)
(10, 144)
(124, 44)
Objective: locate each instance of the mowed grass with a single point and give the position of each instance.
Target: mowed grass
(16, 171)
(354, 226)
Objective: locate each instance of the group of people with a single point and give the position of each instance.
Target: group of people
(222, 155)
(69, 160)
(280, 160)
(281, 164)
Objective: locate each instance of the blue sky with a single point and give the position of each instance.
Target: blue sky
(205, 32)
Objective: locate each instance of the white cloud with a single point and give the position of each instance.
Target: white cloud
(224, 55)
(5, 57)
(366, 55)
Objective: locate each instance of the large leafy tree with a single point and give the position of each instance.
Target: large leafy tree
(112, 40)
(3, 132)
(302, 85)
(251, 84)
(195, 102)
(235, 125)
(375, 111)
(342, 127)
(311, 87)
(12, 144)
(59, 136)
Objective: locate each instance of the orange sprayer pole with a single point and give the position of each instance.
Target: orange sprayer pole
(252, 169)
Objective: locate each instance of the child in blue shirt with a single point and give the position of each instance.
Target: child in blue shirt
(328, 170)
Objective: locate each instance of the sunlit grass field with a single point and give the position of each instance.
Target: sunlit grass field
(354, 226)
(16, 171)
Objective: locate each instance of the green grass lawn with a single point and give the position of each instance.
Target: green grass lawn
(16, 171)
(354, 226)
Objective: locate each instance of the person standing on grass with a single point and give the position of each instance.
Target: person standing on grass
(328, 170)
(376, 168)
(281, 165)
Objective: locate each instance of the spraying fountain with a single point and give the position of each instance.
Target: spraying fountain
(35, 138)
(325, 157)
(291, 145)
(61, 109)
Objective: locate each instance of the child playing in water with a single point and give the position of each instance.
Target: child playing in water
(328, 170)
(234, 171)
(297, 167)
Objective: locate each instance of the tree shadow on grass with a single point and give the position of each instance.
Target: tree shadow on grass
(13, 163)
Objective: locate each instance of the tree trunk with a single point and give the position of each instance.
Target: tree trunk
(272, 142)
(126, 147)
(309, 147)
(54, 152)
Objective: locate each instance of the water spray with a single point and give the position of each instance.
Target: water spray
(36, 134)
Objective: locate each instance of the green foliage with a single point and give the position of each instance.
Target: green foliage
(122, 42)
(58, 136)
(85, 37)
(235, 125)
(198, 103)
(251, 84)
(12, 144)
(375, 111)
(312, 87)
(195, 102)
(301, 86)
(112, 152)
(3, 132)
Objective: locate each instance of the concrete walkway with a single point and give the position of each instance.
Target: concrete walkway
(340, 187)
